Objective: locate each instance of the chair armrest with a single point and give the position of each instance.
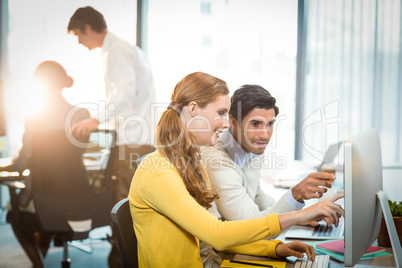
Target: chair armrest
(13, 186)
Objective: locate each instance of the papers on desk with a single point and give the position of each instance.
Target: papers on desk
(295, 172)
(96, 159)
(338, 246)
(227, 263)
(340, 256)
(289, 179)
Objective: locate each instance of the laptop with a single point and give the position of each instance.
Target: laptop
(294, 174)
(320, 232)
(330, 155)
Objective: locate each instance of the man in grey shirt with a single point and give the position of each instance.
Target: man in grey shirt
(234, 164)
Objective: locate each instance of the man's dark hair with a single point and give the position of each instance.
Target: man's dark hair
(249, 97)
(87, 15)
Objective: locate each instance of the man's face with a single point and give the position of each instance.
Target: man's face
(255, 130)
(85, 38)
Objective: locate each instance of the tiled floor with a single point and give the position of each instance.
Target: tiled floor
(12, 255)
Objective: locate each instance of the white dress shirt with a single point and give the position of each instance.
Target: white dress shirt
(130, 92)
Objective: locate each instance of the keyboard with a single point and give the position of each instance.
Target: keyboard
(321, 261)
(323, 230)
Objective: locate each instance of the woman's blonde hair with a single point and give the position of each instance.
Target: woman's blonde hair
(177, 143)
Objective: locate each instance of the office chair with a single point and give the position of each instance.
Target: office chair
(67, 204)
(122, 224)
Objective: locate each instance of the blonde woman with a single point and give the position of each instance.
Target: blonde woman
(170, 193)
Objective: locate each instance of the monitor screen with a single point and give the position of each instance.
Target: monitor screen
(362, 180)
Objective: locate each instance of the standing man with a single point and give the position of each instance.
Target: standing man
(234, 164)
(129, 94)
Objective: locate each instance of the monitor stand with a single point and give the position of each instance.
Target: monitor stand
(396, 245)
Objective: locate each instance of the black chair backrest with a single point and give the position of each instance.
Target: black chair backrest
(57, 166)
(60, 183)
(123, 227)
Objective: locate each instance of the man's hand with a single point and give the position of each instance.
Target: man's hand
(308, 187)
(83, 128)
(296, 249)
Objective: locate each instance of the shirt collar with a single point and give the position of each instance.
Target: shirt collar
(107, 40)
(236, 152)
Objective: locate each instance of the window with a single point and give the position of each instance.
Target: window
(37, 32)
(241, 42)
(353, 74)
(205, 8)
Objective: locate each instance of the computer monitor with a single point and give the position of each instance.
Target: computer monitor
(364, 198)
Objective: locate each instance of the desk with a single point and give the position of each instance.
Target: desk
(391, 181)
(94, 162)
(387, 261)
(5, 178)
(10, 176)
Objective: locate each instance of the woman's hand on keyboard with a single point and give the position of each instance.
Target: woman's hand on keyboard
(296, 249)
(325, 209)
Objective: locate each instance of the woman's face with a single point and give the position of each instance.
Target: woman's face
(207, 123)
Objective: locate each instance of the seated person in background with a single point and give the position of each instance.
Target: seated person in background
(234, 164)
(170, 192)
(56, 114)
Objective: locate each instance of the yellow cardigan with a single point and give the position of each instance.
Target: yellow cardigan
(168, 222)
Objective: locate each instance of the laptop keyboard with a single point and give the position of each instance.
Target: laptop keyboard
(323, 230)
(321, 261)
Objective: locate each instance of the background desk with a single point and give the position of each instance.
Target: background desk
(392, 180)
(94, 166)
(7, 177)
